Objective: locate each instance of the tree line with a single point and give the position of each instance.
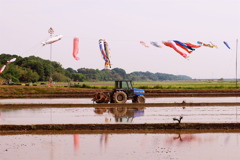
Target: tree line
(34, 69)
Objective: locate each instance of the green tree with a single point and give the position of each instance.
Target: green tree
(29, 76)
(120, 72)
(59, 77)
(78, 77)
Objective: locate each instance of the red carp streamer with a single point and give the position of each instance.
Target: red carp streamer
(4, 66)
(173, 46)
(75, 48)
(144, 44)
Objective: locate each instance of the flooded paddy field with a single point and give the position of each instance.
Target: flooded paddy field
(121, 146)
(137, 115)
(148, 100)
(105, 115)
(115, 144)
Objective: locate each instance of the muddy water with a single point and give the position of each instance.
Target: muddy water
(148, 100)
(48, 100)
(213, 114)
(220, 146)
(105, 146)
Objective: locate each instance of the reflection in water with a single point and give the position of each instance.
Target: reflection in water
(1, 117)
(104, 140)
(121, 114)
(76, 142)
(197, 146)
(182, 138)
(210, 114)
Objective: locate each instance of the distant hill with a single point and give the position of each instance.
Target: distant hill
(34, 69)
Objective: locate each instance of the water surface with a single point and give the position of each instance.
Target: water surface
(204, 146)
(148, 100)
(207, 114)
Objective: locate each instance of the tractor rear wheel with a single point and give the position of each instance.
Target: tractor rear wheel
(120, 111)
(139, 99)
(119, 97)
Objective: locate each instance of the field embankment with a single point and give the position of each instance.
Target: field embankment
(147, 127)
(71, 92)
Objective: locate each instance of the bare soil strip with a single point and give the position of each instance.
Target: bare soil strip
(130, 128)
(44, 105)
(68, 92)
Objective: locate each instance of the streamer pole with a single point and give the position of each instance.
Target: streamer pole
(51, 32)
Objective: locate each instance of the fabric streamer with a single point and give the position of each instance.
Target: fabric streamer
(213, 45)
(105, 52)
(192, 45)
(75, 48)
(2, 69)
(172, 45)
(204, 44)
(183, 46)
(107, 49)
(8, 62)
(156, 44)
(12, 60)
(226, 44)
(144, 44)
(52, 40)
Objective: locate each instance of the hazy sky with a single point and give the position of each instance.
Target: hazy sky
(123, 23)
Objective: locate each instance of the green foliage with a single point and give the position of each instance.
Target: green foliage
(78, 77)
(59, 77)
(81, 86)
(34, 69)
(29, 75)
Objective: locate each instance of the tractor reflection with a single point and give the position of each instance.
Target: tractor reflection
(121, 114)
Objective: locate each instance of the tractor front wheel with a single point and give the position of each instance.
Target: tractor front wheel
(139, 99)
(119, 97)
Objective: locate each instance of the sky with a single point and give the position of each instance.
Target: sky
(123, 24)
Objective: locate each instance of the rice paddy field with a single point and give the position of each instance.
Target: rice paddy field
(87, 89)
(204, 84)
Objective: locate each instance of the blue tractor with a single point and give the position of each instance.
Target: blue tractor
(122, 92)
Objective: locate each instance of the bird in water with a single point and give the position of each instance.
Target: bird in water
(179, 120)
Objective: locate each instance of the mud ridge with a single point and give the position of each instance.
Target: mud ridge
(148, 127)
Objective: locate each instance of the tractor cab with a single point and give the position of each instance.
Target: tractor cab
(125, 86)
(123, 91)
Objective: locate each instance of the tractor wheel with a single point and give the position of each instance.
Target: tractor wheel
(120, 111)
(119, 97)
(140, 99)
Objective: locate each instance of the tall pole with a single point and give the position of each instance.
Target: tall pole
(236, 62)
(51, 58)
(51, 32)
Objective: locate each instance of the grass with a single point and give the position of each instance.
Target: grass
(64, 89)
(168, 85)
(186, 85)
(208, 84)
